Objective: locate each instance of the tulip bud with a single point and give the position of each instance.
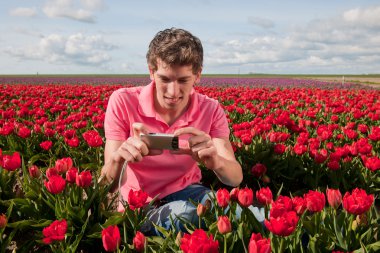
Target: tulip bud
(3, 221)
(361, 219)
(34, 171)
(84, 179)
(245, 197)
(71, 175)
(264, 196)
(334, 197)
(223, 197)
(111, 238)
(234, 194)
(258, 170)
(139, 241)
(178, 238)
(208, 204)
(64, 164)
(354, 225)
(266, 179)
(201, 210)
(224, 224)
(51, 172)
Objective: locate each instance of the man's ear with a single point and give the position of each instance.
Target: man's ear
(151, 73)
(198, 77)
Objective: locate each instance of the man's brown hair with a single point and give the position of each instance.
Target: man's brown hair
(175, 47)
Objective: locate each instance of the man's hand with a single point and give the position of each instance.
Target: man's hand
(133, 149)
(201, 147)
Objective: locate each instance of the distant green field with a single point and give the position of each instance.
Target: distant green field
(208, 75)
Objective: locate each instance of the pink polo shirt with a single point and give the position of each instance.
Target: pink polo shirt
(163, 174)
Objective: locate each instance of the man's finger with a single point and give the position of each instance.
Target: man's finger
(188, 130)
(153, 152)
(181, 151)
(139, 128)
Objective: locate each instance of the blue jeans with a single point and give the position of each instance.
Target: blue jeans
(178, 205)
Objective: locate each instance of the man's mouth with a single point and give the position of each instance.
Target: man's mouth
(172, 100)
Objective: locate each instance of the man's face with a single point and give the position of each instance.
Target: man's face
(173, 86)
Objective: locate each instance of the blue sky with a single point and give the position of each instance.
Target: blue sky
(247, 36)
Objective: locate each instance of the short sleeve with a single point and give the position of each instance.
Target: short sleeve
(116, 122)
(219, 127)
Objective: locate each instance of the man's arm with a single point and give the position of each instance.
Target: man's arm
(117, 152)
(228, 170)
(215, 153)
(112, 163)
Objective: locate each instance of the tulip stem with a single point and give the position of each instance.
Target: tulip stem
(125, 232)
(350, 230)
(282, 245)
(225, 243)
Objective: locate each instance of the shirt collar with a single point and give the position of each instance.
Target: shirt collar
(146, 105)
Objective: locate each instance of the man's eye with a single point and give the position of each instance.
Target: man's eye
(182, 80)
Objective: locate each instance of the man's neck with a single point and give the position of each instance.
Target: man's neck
(170, 116)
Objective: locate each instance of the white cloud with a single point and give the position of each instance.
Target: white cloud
(340, 42)
(93, 4)
(69, 9)
(23, 12)
(74, 49)
(369, 17)
(261, 22)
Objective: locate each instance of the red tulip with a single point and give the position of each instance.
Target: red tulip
(358, 202)
(198, 241)
(73, 142)
(371, 163)
(234, 194)
(51, 172)
(245, 197)
(11, 162)
(375, 134)
(264, 196)
(281, 205)
(55, 231)
(3, 221)
(46, 145)
(34, 171)
(55, 185)
(258, 170)
(299, 205)
(93, 138)
(224, 224)
(283, 225)
(333, 165)
(24, 132)
(71, 175)
(299, 149)
(63, 165)
(334, 197)
(258, 244)
(315, 201)
(223, 197)
(84, 179)
(137, 199)
(279, 148)
(111, 238)
(139, 241)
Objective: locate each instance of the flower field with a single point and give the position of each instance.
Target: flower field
(310, 153)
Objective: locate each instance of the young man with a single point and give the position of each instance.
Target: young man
(169, 104)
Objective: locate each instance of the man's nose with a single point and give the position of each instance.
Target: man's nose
(173, 88)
